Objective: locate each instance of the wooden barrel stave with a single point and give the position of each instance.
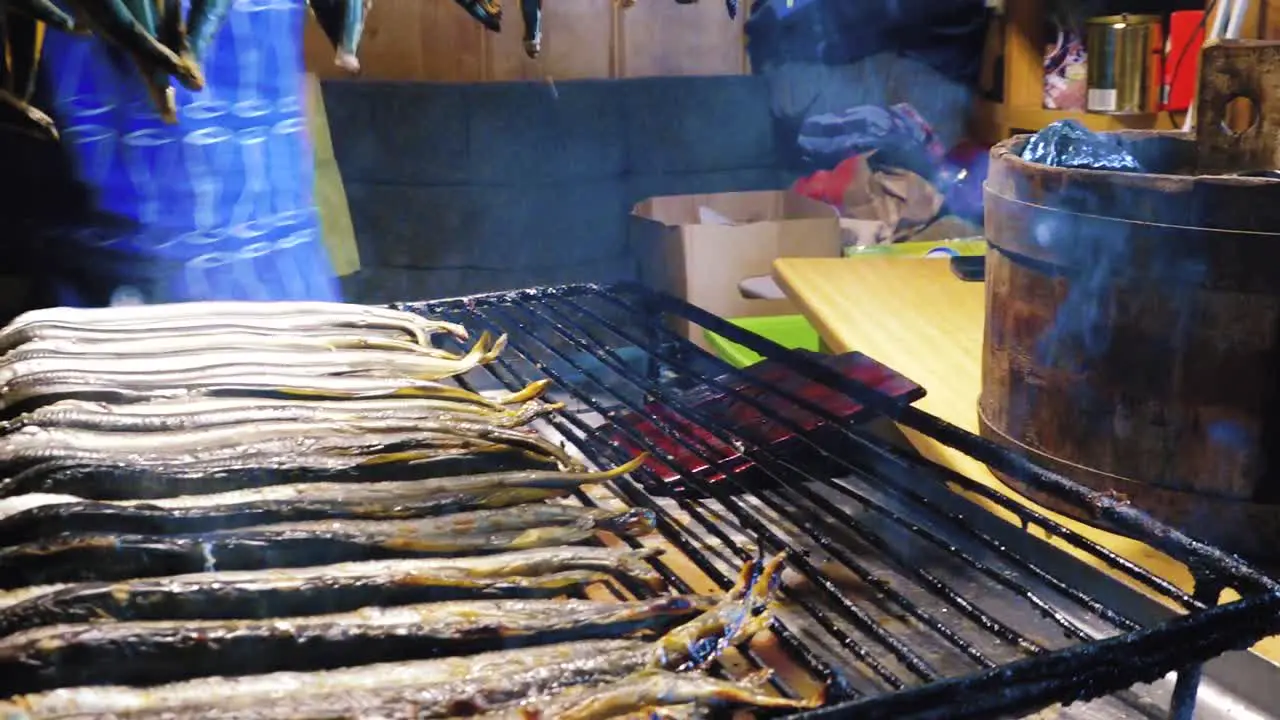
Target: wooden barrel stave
(1133, 350)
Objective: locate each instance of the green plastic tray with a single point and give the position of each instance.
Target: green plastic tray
(790, 331)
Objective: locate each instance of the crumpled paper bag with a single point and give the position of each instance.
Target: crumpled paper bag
(900, 200)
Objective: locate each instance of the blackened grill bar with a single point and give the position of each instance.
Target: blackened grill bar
(576, 335)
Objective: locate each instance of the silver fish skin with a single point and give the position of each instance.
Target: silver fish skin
(155, 651)
(429, 689)
(202, 413)
(320, 341)
(226, 380)
(16, 336)
(236, 697)
(377, 363)
(379, 492)
(349, 437)
(89, 336)
(650, 689)
(220, 310)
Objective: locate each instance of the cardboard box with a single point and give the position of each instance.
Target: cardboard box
(701, 247)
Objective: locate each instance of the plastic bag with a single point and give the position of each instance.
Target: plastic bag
(1068, 144)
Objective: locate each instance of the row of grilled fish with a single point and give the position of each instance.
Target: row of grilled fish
(524, 657)
(283, 510)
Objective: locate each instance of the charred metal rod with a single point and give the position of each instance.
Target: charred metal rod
(839, 687)
(940, 589)
(1113, 511)
(627, 491)
(1182, 706)
(855, 614)
(797, 496)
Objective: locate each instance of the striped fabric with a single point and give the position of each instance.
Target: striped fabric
(218, 206)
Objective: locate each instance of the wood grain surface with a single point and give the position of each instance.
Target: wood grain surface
(436, 41)
(916, 317)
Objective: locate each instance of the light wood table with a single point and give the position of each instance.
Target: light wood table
(916, 317)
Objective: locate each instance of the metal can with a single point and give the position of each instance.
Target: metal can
(1124, 63)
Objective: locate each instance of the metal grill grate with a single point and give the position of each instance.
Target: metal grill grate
(908, 600)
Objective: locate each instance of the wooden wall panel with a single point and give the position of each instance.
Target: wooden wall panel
(436, 41)
(577, 42)
(661, 37)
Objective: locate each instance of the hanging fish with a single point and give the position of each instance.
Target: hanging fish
(204, 19)
(531, 11)
(488, 12)
(44, 11)
(113, 20)
(24, 42)
(732, 7)
(157, 80)
(343, 23)
(19, 116)
(173, 30)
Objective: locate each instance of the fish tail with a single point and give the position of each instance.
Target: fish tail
(532, 391)
(496, 350)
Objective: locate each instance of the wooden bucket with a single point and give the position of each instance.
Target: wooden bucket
(1133, 320)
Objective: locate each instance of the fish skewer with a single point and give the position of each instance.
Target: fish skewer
(296, 503)
(219, 411)
(160, 651)
(90, 557)
(284, 592)
(651, 689)
(379, 363)
(426, 688)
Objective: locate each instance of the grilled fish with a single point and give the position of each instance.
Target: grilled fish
(421, 689)
(377, 363)
(155, 78)
(100, 557)
(486, 12)
(19, 116)
(650, 689)
(44, 11)
(186, 314)
(214, 412)
(343, 24)
(531, 13)
(112, 20)
(91, 336)
(230, 380)
(14, 335)
(33, 445)
(161, 651)
(285, 592)
(204, 19)
(133, 481)
(318, 341)
(294, 503)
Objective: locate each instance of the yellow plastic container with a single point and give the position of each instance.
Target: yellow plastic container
(790, 331)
